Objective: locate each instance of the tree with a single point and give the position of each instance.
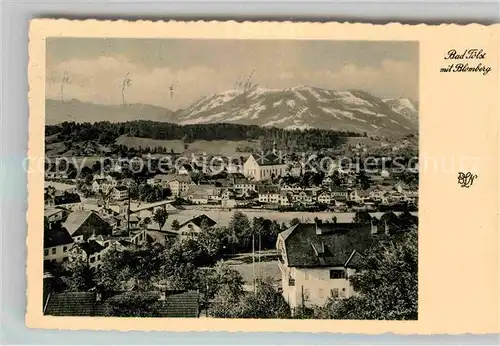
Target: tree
(295, 221)
(96, 167)
(131, 304)
(182, 276)
(386, 283)
(223, 277)
(160, 217)
(211, 240)
(139, 268)
(407, 220)
(81, 277)
(145, 222)
(363, 180)
(362, 216)
(390, 219)
(176, 225)
(239, 228)
(266, 302)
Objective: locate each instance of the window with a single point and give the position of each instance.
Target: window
(337, 274)
(92, 259)
(65, 248)
(98, 257)
(54, 250)
(321, 293)
(65, 259)
(307, 276)
(335, 292)
(46, 252)
(291, 282)
(307, 294)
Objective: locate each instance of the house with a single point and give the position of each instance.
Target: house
(242, 185)
(167, 303)
(82, 224)
(359, 195)
(269, 197)
(263, 167)
(195, 225)
(89, 251)
(56, 243)
(201, 194)
(54, 214)
(120, 193)
(180, 184)
(303, 197)
(316, 261)
(324, 197)
(100, 185)
(285, 199)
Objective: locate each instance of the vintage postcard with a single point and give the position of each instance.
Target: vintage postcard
(265, 176)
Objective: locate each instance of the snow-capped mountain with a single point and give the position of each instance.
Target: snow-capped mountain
(404, 106)
(305, 107)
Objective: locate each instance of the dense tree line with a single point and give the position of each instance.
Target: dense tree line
(106, 133)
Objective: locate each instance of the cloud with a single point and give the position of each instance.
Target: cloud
(392, 79)
(99, 80)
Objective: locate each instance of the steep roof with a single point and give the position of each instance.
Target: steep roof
(184, 304)
(269, 159)
(75, 220)
(176, 304)
(56, 237)
(71, 304)
(333, 247)
(51, 211)
(199, 220)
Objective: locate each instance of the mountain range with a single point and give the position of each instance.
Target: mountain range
(298, 107)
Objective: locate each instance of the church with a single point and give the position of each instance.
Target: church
(263, 167)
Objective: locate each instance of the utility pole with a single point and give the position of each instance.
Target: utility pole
(128, 213)
(260, 248)
(253, 260)
(303, 303)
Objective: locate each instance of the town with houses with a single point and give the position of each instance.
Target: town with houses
(98, 210)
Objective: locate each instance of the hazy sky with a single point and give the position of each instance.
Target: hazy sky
(96, 67)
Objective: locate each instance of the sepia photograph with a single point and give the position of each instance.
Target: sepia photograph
(231, 178)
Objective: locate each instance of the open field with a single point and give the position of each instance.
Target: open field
(222, 147)
(222, 217)
(363, 140)
(267, 267)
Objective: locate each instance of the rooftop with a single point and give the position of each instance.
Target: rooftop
(305, 247)
(56, 237)
(172, 304)
(75, 220)
(198, 221)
